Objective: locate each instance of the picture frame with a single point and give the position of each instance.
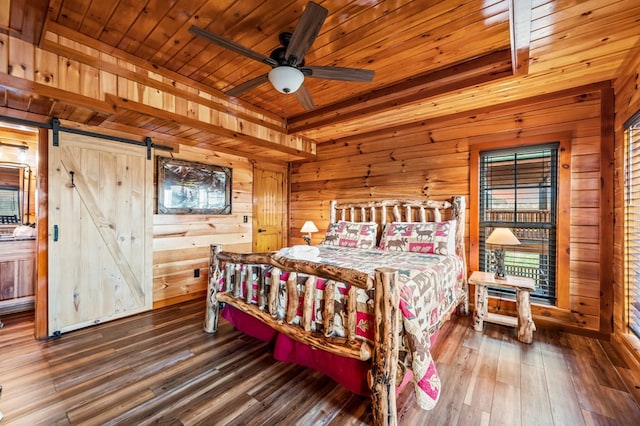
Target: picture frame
(189, 187)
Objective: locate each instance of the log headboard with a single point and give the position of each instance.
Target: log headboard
(385, 211)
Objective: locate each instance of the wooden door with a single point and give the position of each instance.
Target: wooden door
(269, 209)
(100, 235)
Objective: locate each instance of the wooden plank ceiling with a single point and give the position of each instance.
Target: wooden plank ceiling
(431, 58)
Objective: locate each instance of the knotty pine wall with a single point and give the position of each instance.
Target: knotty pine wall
(627, 103)
(181, 242)
(431, 159)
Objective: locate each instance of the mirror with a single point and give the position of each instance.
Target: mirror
(15, 193)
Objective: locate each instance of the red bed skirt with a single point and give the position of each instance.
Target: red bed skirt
(348, 372)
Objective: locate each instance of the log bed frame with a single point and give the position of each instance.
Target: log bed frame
(387, 323)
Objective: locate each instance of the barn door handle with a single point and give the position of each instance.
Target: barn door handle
(262, 230)
(55, 233)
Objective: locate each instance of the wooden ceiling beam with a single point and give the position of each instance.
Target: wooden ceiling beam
(175, 142)
(121, 104)
(520, 33)
(482, 69)
(21, 85)
(24, 115)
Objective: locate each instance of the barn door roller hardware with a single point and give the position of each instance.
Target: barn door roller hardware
(57, 128)
(55, 124)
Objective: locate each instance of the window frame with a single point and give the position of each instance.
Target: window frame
(634, 120)
(509, 141)
(549, 252)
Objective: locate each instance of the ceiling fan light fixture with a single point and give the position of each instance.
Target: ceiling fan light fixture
(286, 79)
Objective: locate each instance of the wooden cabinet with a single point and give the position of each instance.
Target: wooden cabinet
(17, 274)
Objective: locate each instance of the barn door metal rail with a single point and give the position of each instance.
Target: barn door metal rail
(57, 128)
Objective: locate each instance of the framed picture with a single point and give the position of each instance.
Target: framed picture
(187, 187)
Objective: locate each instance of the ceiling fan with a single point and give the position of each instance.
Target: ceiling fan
(287, 62)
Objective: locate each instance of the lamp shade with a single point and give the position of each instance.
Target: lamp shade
(286, 79)
(309, 226)
(502, 237)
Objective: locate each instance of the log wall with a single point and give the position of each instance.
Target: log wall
(627, 104)
(431, 159)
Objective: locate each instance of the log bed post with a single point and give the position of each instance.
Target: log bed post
(332, 211)
(212, 308)
(458, 208)
(382, 377)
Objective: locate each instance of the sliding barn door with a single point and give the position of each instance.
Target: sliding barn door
(100, 235)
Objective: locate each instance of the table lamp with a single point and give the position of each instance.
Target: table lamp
(501, 237)
(308, 227)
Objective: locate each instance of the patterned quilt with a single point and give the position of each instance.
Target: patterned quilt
(430, 285)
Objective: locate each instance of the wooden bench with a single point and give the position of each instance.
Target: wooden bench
(523, 287)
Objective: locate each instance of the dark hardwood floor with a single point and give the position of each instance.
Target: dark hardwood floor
(159, 367)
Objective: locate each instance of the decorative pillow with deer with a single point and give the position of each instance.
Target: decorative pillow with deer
(351, 234)
(427, 237)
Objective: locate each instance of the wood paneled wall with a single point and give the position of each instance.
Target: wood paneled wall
(431, 159)
(627, 103)
(181, 242)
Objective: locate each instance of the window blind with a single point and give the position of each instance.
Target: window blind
(518, 190)
(632, 223)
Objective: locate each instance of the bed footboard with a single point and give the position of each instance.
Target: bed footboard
(383, 354)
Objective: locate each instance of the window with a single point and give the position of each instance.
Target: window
(632, 222)
(518, 190)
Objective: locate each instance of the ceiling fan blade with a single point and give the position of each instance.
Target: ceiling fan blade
(305, 33)
(304, 97)
(337, 73)
(231, 45)
(247, 85)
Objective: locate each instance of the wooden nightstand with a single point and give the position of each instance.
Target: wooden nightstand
(523, 287)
